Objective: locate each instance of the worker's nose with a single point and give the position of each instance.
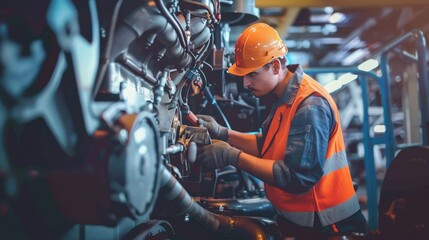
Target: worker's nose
(246, 82)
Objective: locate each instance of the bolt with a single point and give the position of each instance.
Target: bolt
(221, 208)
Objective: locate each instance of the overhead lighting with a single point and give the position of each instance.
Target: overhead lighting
(355, 56)
(319, 18)
(330, 40)
(347, 78)
(328, 10)
(329, 28)
(337, 17)
(298, 44)
(368, 65)
(297, 29)
(333, 86)
(355, 42)
(306, 44)
(314, 29)
(291, 43)
(342, 80)
(301, 57)
(379, 128)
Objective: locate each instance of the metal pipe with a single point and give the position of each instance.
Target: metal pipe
(420, 43)
(131, 65)
(387, 111)
(148, 18)
(159, 90)
(179, 30)
(177, 203)
(141, 20)
(423, 82)
(176, 148)
(371, 186)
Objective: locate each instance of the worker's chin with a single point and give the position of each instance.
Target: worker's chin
(256, 94)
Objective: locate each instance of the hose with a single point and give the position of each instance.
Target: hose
(175, 201)
(148, 19)
(179, 30)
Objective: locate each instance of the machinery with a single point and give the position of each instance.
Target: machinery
(97, 135)
(403, 209)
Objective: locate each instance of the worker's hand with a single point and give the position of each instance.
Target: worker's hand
(217, 155)
(216, 131)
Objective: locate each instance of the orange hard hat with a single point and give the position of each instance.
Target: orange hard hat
(257, 45)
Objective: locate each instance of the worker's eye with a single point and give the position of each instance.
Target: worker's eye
(253, 74)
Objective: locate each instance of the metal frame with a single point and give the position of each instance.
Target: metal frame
(388, 138)
(420, 59)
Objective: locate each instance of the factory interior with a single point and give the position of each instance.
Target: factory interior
(102, 134)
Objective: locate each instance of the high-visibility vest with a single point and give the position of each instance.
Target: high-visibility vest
(333, 198)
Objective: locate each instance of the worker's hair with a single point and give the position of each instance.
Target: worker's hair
(283, 62)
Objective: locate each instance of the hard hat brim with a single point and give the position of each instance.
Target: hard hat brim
(238, 71)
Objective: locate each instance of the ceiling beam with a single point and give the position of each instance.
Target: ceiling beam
(287, 20)
(338, 3)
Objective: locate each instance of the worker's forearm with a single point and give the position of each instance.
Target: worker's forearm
(258, 167)
(243, 141)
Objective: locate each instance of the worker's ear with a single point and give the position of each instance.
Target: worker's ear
(276, 66)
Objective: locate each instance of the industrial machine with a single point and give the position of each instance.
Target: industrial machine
(97, 133)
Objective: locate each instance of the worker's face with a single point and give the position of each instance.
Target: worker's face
(261, 81)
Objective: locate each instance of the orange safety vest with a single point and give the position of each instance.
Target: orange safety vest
(333, 198)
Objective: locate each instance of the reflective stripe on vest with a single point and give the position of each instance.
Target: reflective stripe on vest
(327, 217)
(333, 198)
(335, 162)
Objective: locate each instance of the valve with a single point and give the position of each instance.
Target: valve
(189, 115)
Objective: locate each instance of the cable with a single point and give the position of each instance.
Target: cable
(203, 78)
(206, 51)
(208, 65)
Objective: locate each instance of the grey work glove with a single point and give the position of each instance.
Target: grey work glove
(217, 155)
(216, 131)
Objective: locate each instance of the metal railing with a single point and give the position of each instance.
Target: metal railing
(388, 138)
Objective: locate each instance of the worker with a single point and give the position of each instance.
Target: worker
(300, 154)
